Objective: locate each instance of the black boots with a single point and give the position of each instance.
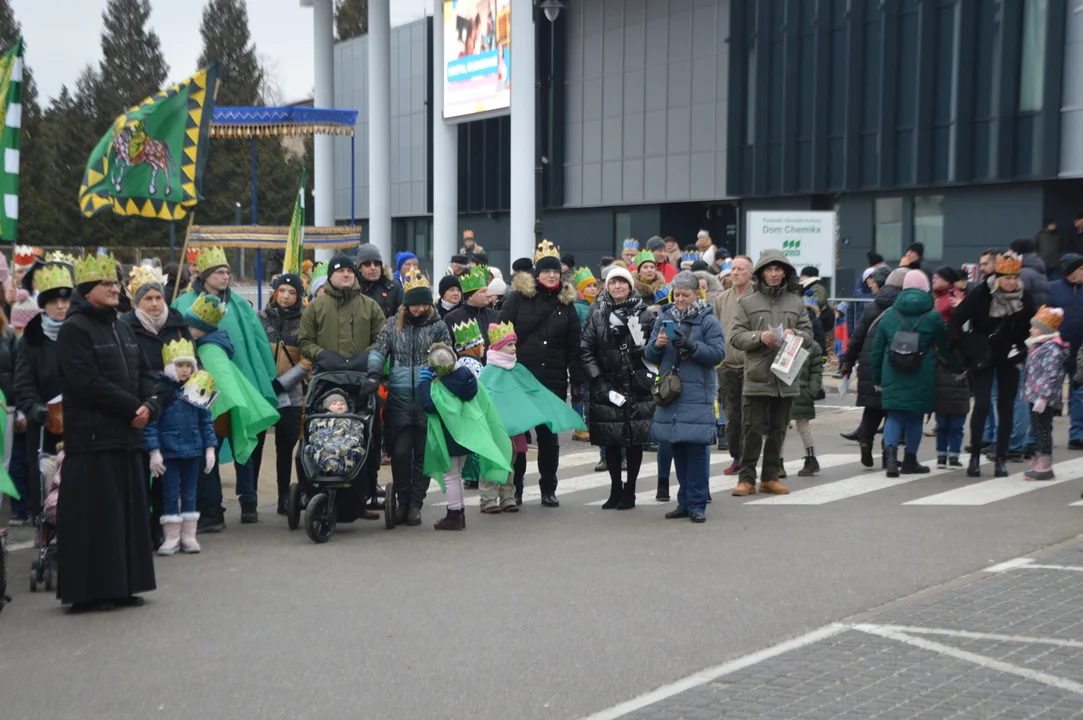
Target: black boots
(866, 454)
(974, 468)
(663, 490)
(811, 466)
(614, 495)
(1000, 469)
(910, 465)
(628, 496)
(622, 496)
(891, 456)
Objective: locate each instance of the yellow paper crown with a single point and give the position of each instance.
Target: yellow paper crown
(546, 249)
(207, 309)
(95, 268)
(52, 276)
(179, 349)
(61, 257)
(414, 281)
(141, 275)
(211, 257)
(499, 332)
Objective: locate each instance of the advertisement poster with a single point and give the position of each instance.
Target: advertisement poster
(477, 57)
(804, 237)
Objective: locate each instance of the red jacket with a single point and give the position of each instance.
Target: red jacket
(942, 301)
(668, 271)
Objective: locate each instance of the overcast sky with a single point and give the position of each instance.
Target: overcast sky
(63, 36)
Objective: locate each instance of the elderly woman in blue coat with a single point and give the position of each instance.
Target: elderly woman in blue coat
(694, 345)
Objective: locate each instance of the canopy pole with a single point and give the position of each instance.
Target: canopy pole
(353, 180)
(184, 257)
(259, 251)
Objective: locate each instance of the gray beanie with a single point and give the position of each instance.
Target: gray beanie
(897, 277)
(880, 275)
(368, 253)
(655, 243)
(685, 279)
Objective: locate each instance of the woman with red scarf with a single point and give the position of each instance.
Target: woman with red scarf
(952, 395)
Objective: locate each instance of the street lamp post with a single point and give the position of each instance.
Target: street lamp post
(551, 9)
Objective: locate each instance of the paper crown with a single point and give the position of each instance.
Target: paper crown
(193, 255)
(661, 295)
(179, 350)
(24, 256)
(631, 244)
(725, 268)
(200, 389)
(476, 279)
(52, 276)
(416, 280)
(467, 335)
(689, 257)
(61, 257)
(644, 256)
(95, 268)
(211, 257)
(500, 335)
(206, 312)
(319, 271)
(140, 275)
(1009, 264)
(546, 249)
(583, 278)
(1049, 318)
(810, 300)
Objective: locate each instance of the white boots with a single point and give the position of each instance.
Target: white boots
(188, 542)
(180, 534)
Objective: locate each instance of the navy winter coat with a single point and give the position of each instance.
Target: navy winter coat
(1069, 297)
(691, 418)
(463, 385)
(173, 434)
(1034, 279)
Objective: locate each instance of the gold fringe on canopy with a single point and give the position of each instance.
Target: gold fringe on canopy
(228, 130)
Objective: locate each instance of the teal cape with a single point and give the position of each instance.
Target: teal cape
(523, 403)
(253, 351)
(249, 413)
(475, 425)
(7, 487)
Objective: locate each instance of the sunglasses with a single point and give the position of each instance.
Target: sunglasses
(370, 263)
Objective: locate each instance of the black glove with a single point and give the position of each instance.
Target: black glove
(277, 387)
(39, 414)
(372, 384)
(635, 352)
(684, 342)
(600, 386)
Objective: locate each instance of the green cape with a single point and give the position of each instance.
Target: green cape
(475, 425)
(249, 413)
(7, 487)
(253, 351)
(524, 403)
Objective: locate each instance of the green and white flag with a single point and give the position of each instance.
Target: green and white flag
(11, 120)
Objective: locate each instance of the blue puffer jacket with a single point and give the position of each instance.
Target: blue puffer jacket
(463, 385)
(174, 432)
(1069, 297)
(691, 418)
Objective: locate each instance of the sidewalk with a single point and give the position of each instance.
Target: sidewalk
(1006, 642)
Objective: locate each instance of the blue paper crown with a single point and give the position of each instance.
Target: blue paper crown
(661, 294)
(631, 244)
(690, 257)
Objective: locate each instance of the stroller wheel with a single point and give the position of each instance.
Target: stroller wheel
(320, 518)
(48, 577)
(293, 507)
(389, 505)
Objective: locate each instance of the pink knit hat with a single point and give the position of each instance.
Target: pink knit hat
(23, 311)
(916, 279)
(5, 273)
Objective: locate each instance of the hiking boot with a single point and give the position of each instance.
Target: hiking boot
(733, 469)
(892, 454)
(602, 465)
(910, 465)
(974, 468)
(249, 515)
(811, 466)
(1000, 467)
(941, 462)
(954, 462)
(663, 490)
(774, 487)
(581, 436)
(454, 520)
(743, 488)
(413, 517)
(212, 521)
(866, 455)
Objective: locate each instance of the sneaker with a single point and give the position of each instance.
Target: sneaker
(954, 462)
(211, 522)
(941, 462)
(249, 515)
(733, 469)
(1075, 444)
(491, 510)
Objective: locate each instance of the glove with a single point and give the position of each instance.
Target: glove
(277, 386)
(1039, 405)
(685, 343)
(846, 369)
(39, 414)
(157, 464)
(372, 385)
(427, 373)
(209, 460)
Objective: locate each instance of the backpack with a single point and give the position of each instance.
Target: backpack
(905, 353)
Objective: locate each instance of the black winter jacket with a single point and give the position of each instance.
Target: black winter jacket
(7, 364)
(175, 328)
(386, 291)
(548, 330)
(998, 334)
(106, 378)
(612, 361)
(466, 313)
(859, 350)
(37, 381)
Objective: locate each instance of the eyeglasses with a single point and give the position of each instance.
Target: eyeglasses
(370, 263)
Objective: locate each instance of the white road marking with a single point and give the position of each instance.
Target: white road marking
(15, 547)
(1008, 565)
(966, 634)
(990, 491)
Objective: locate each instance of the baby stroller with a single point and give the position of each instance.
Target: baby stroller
(43, 571)
(328, 500)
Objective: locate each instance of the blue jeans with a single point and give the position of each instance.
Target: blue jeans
(665, 459)
(1075, 410)
(179, 484)
(17, 469)
(209, 486)
(693, 473)
(900, 423)
(949, 434)
(1020, 423)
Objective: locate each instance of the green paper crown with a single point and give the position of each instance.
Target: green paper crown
(467, 335)
(476, 279)
(208, 310)
(499, 332)
(95, 268)
(212, 257)
(644, 256)
(199, 390)
(52, 276)
(320, 271)
(179, 349)
(583, 275)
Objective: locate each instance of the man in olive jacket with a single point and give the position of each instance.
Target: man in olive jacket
(767, 400)
(342, 322)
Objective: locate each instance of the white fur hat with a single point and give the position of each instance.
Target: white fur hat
(619, 272)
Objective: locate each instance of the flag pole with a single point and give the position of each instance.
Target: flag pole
(184, 255)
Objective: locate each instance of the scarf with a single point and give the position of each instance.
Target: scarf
(50, 327)
(1038, 339)
(153, 325)
(697, 308)
(501, 359)
(448, 306)
(1004, 303)
(285, 323)
(554, 286)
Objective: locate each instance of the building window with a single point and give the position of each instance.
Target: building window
(1032, 69)
(929, 225)
(889, 228)
(622, 229)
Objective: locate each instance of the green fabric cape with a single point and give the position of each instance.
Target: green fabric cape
(475, 425)
(7, 487)
(524, 403)
(253, 351)
(250, 414)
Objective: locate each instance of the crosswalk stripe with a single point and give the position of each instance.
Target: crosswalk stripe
(991, 491)
(1077, 504)
(724, 482)
(861, 484)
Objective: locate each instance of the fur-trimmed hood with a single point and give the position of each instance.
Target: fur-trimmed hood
(527, 286)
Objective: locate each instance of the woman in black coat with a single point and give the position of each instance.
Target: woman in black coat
(999, 311)
(612, 361)
(541, 307)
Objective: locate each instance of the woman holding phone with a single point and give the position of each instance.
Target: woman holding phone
(621, 406)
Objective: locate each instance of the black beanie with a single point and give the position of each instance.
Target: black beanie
(810, 271)
(1022, 246)
(1069, 263)
(338, 262)
(949, 273)
(547, 263)
(874, 258)
(918, 248)
(294, 281)
(447, 282)
(480, 259)
(568, 260)
(522, 265)
(460, 259)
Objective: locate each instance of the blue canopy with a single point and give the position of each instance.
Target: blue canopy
(243, 122)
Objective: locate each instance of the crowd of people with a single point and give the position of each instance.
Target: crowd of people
(161, 375)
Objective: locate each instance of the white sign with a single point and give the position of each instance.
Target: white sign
(804, 237)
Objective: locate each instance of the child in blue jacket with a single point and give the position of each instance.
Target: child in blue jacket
(179, 442)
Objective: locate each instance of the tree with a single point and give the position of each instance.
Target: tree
(351, 18)
(132, 67)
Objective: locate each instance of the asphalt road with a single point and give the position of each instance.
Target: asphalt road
(548, 614)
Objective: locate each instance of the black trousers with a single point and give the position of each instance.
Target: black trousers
(519, 472)
(548, 459)
(870, 423)
(1007, 379)
(407, 466)
(287, 432)
(634, 457)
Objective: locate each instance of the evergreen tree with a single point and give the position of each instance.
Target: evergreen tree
(132, 67)
(351, 18)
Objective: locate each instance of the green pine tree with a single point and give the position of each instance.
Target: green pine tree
(351, 18)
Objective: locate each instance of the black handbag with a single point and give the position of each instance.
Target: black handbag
(667, 388)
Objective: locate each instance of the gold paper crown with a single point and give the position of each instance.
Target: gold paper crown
(179, 349)
(476, 279)
(207, 309)
(95, 268)
(1009, 264)
(211, 257)
(546, 249)
(61, 257)
(1050, 317)
(467, 335)
(51, 277)
(141, 275)
(499, 332)
(415, 280)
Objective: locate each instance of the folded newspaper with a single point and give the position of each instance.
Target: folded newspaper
(790, 359)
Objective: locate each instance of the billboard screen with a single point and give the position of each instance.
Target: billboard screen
(477, 57)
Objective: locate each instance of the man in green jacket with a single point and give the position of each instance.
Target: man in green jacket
(342, 322)
(768, 400)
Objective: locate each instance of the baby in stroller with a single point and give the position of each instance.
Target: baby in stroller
(334, 443)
